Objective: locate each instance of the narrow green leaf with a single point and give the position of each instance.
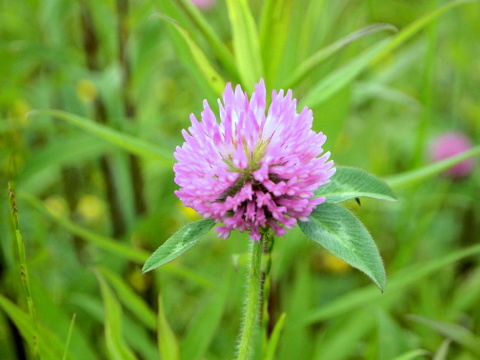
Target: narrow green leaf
(127, 142)
(425, 172)
(397, 284)
(129, 298)
(218, 47)
(167, 341)
(212, 78)
(457, 333)
(246, 44)
(341, 233)
(338, 79)
(413, 28)
(275, 26)
(346, 74)
(178, 243)
(137, 255)
(348, 183)
(68, 150)
(413, 355)
(69, 337)
(116, 346)
(442, 352)
(204, 326)
(275, 337)
(325, 53)
(49, 346)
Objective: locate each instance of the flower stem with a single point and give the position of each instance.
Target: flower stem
(253, 301)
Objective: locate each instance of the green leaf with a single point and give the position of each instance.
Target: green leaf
(346, 74)
(78, 148)
(178, 243)
(414, 355)
(273, 340)
(116, 346)
(109, 244)
(48, 344)
(457, 333)
(210, 75)
(341, 233)
(167, 341)
(325, 53)
(203, 26)
(410, 30)
(348, 183)
(338, 79)
(129, 298)
(425, 172)
(397, 284)
(128, 252)
(127, 142)
(275, 26)
(246, 43)
(442, 351)
(204, 326)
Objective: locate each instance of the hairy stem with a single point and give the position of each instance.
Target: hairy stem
(253, 301)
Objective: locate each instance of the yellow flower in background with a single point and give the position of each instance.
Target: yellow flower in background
(57, 205)
(91, 209)
(18, 112)
(334, 264)
(188, 212)
(87, 91)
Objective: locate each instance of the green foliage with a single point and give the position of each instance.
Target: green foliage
(116, 345)
(99, 194)
(349, 183)
(341, 233)
(178, 243)
(167, 341)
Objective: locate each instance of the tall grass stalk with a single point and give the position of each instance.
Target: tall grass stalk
(23, 270)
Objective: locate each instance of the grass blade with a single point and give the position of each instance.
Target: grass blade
(116, 346)
(398, 282)
(203, 66)
(218, 47)
(69, 336)
(334, 82)
(425, 172)
(127, 142)
(406, 33)
(24, 271)
(325, 53)
(49, 347)
(203, 327)
(167, 341)
(245, 43)
(129, 298)
(109, 244)
(454, 332)
(275, 337)
(275, 24)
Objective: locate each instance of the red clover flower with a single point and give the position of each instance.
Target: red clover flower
(254, 169)
(450, 144)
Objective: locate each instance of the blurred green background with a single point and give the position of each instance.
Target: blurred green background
(90, 212)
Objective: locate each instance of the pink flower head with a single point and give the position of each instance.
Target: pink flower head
(204, 4)
(254, 169)
(448, 145)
